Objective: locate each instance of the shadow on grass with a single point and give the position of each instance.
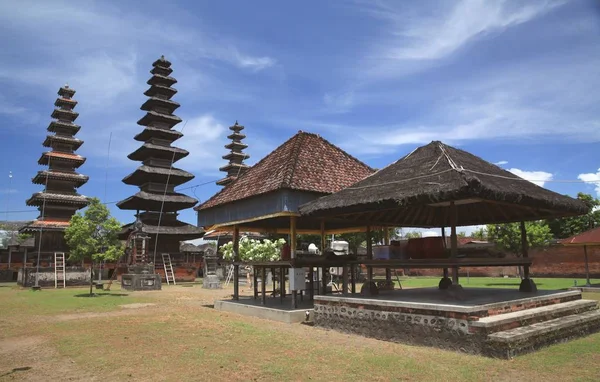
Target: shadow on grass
(26, 368)
(509, 284)
(102, 295)
(503, 284)
(210, 306)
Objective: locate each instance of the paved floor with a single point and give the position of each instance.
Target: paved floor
(469, 297)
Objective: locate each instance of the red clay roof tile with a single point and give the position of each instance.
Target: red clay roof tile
(305, 162)
(591, 237)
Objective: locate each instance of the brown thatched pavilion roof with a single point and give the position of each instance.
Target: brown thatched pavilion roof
(417, 190)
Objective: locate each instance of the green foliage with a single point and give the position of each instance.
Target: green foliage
(254, 250)
(22, 237)
(93, 234)
(566, 227)
(480, 234)
(413, 235)
(461, 234)
(508, 236)
(357, 239)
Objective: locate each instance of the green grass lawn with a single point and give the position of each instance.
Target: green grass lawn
(493, 282)
(181, 338)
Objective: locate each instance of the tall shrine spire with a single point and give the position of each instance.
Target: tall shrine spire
(59, 200)
(235, 167)
(157, 177)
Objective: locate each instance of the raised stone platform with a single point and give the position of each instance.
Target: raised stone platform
(494, 322)
(273, 310)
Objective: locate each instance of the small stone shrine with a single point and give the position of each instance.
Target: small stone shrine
(140, 273)
(211, 263)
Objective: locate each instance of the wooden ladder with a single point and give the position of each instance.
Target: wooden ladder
(168, 266)
(59, 269)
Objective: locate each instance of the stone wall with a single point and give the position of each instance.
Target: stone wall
(6, 275)
(427, 329)
(74, 275)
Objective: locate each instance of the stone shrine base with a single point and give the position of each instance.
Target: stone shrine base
(273, 310)
(136, 282)
(499, 323)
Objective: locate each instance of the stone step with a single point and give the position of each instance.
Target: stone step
(507, 321)
(514, 342)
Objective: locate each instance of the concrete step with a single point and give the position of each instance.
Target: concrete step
(522, 340)
(507, 321)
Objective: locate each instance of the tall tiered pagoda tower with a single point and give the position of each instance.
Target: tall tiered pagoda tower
(236, 157)
(59, 200)
(157, 203)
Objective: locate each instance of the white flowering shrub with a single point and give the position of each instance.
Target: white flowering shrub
(254, 250)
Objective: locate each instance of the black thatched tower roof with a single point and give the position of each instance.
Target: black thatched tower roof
(417, 190)
(157, 203)
(236, 156)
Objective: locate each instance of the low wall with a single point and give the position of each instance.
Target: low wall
(558, 261)
(7, 275)
(74, 276)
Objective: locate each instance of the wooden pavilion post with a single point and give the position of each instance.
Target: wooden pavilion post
(453, 241)
(369, 254)
(236, 258)
(445, 282)
(527, 285)
(293, 257)
(9, 256)
(587, 267)
(25, 258)
(323, 245)
(388, 270)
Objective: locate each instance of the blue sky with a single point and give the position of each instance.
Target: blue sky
(515, 82)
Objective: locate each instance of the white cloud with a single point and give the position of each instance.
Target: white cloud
(437, 31)
(204, 137)
(502, 162)
(592, 177)
(536, 177)
(254, 63)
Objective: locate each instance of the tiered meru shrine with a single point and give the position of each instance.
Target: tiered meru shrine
(157, 203)
(59, 199)
(236, 156)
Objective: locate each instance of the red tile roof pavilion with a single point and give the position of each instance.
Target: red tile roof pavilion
(306, 165)
(591, 237)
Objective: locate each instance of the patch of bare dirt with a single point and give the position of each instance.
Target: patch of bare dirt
(10, 345)
(137, 305)
(34, 359)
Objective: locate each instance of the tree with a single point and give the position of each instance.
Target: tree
(461, 234)
(480, 234)
(566, 227)
(413, 235)
(508, 236)
(357, 239)
(94, 235)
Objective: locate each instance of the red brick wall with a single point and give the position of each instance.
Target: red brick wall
(557, 261)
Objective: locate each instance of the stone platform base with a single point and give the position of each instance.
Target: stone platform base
(136, 282)
(211, 282)
(493, 322)
(274, 310)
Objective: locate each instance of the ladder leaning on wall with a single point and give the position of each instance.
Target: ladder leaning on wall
(168, 265)
(59, 269)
